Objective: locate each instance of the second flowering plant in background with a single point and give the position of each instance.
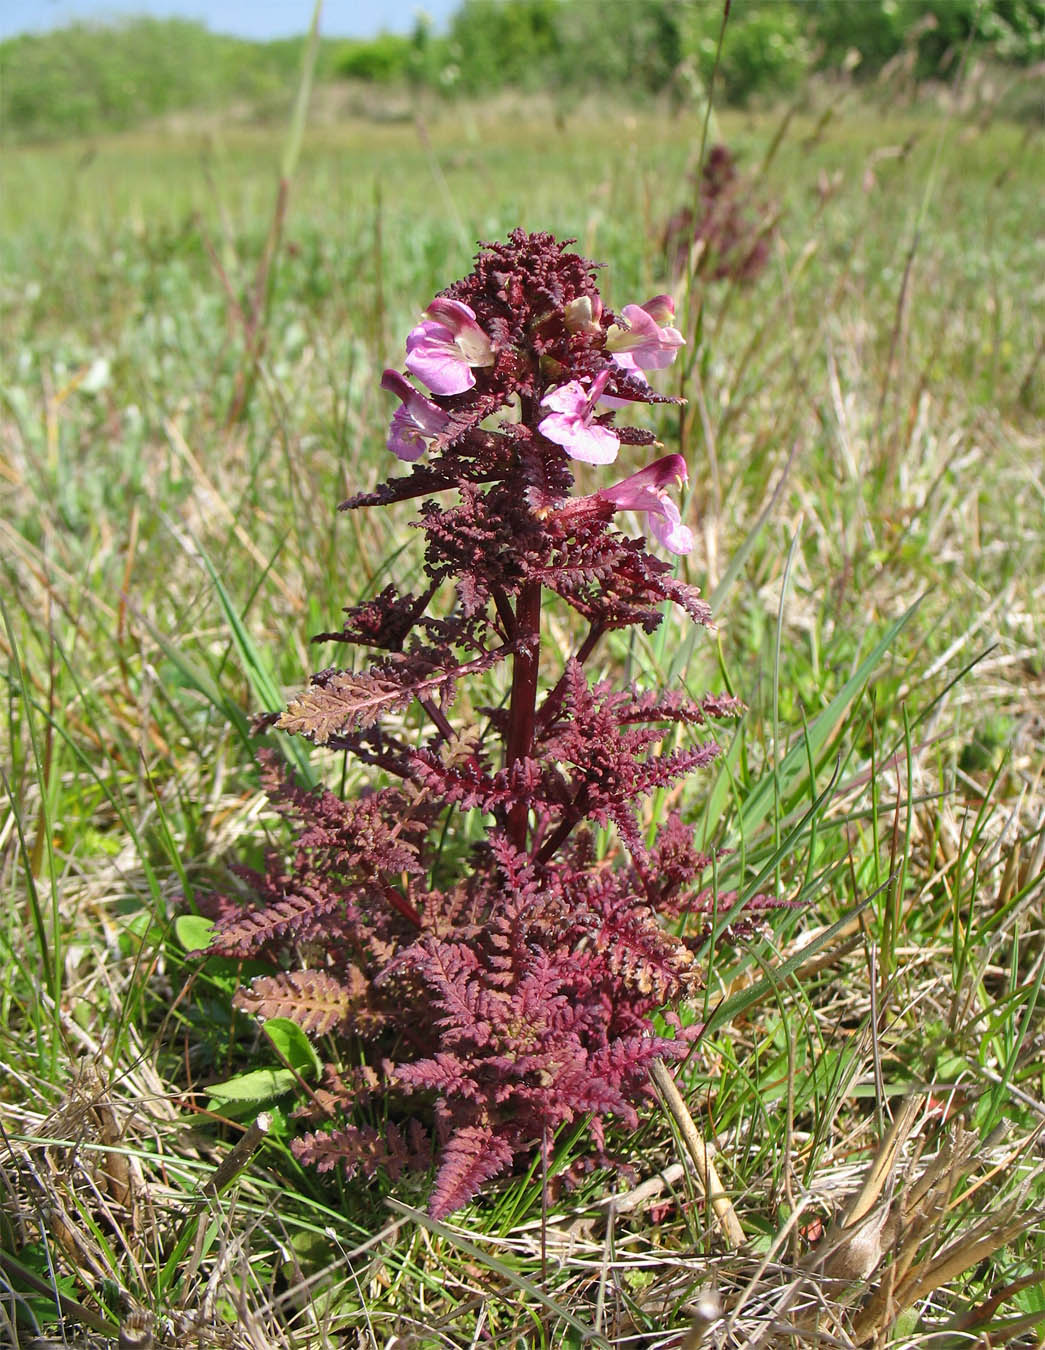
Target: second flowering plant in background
(481, 970)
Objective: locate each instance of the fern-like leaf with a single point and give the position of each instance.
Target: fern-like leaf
(364, 1149)
(316, 1001)
(247, 932)
(474, 1154)
(339, 702)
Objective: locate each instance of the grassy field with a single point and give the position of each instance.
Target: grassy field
(863, 431)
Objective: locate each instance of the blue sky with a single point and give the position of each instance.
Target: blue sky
(245, 18)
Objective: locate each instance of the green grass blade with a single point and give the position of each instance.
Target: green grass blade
(257, 670)
(731, 1007)
(527, 1287)
(788, 775)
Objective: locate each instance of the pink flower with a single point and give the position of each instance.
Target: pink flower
(415, 422)
(442, 350)
(647, 491)
(570, 424)
(648, 339)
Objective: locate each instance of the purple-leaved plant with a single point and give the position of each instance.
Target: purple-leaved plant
(483, 995)
(729, 229)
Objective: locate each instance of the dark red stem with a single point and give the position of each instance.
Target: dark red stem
(399, 902)
(438, 717)
(504, 612)
(570, 820)
(522, 714)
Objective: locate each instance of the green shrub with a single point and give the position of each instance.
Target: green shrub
(1013, 30)
(90, 77)
(517, 44)
(385, 59)
(765, 52)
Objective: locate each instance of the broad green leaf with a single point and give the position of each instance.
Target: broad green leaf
(293, 1045)
(260, 1085)
(193, 931)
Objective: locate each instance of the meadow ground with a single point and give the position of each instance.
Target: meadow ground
(863, 431)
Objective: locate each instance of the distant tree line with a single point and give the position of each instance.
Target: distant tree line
(629, 48)
(87, 77)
